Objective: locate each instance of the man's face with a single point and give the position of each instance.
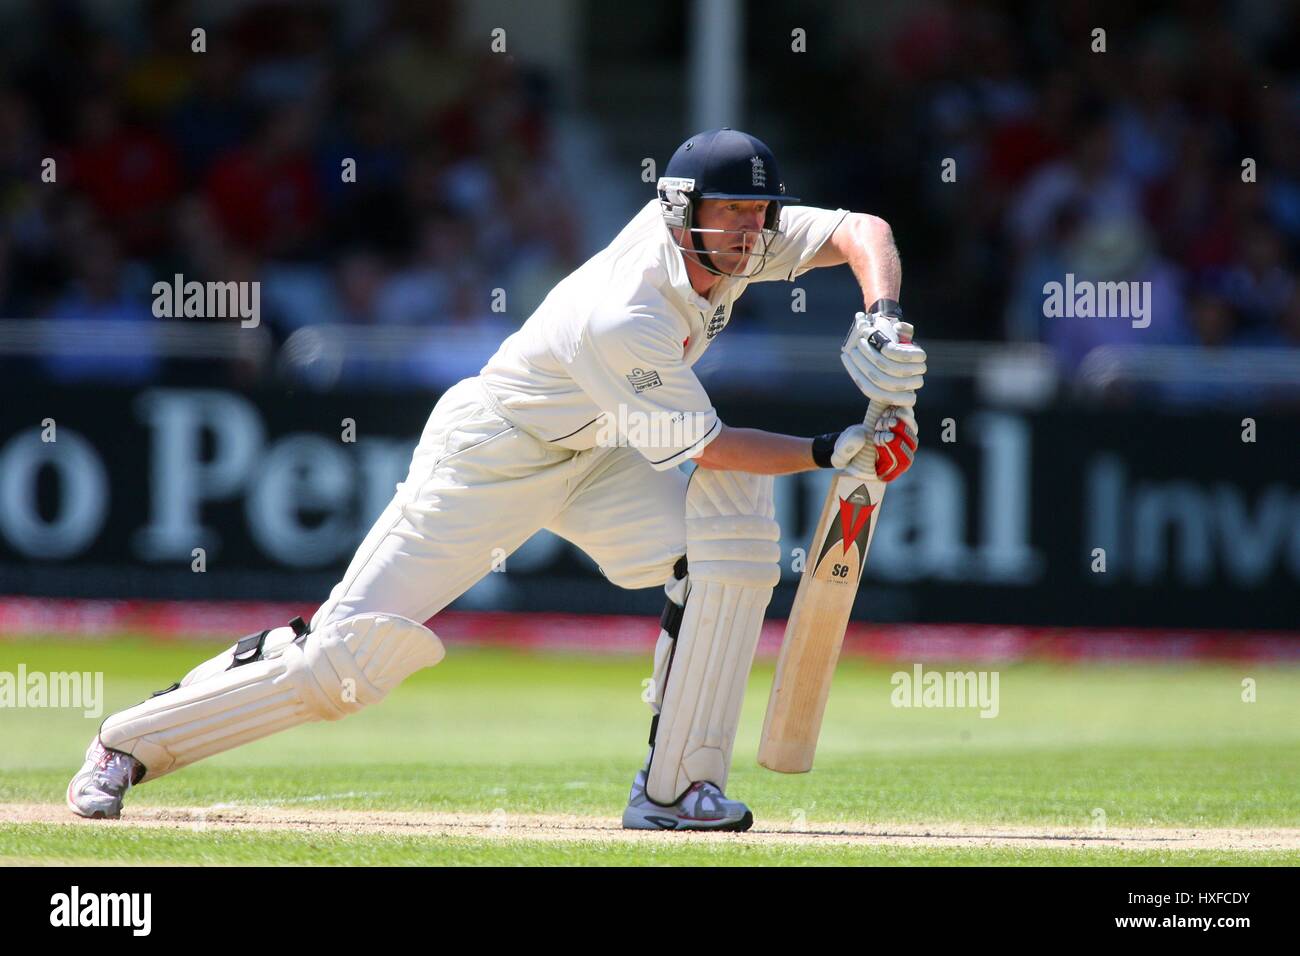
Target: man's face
(742, 220)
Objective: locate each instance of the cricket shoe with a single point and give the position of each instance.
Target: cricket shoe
(702, 807)
(101, 783)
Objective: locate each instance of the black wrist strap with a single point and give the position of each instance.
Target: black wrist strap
(823, 446)
(886, 307)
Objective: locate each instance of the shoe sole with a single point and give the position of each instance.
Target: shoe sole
(735, 826)
(739, 826)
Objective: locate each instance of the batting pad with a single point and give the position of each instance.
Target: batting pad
(733, 563)
(226, 702)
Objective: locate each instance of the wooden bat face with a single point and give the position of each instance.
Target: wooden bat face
(843, 551)
(821, 610)
(817, 623)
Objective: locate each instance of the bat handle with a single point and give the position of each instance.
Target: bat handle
(874, 411)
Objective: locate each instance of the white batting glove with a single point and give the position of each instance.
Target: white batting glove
(883, 367)
(849, 445)
(894, 444)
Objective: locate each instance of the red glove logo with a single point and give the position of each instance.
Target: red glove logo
(895, 456)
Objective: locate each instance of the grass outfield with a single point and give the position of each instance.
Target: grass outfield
(1094, 749)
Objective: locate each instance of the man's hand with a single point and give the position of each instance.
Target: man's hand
(881, 361)
(896, 439)
(893, 446)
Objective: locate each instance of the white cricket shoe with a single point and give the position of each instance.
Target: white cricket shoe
(101, 783)
(702, 807)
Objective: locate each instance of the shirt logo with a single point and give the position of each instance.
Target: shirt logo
(717, 323)
(642, 379)
(759, 171)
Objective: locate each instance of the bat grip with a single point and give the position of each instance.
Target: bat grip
(874, 411)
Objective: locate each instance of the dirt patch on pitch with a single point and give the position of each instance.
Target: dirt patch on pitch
(560, 827)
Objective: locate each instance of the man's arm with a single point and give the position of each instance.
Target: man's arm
(757, 452)
(767, 453)
(866, 243)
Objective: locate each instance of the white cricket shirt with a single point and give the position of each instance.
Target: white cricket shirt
(607, 356)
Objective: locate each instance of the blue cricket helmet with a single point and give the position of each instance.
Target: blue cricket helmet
(722, 164)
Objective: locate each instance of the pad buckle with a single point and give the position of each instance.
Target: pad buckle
(247, 650)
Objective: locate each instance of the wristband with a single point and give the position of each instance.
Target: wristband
(823, 446)
(886, 307)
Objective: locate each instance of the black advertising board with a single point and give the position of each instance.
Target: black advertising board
(1007, 517)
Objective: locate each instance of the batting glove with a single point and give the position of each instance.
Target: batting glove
(896, 438)
(886, 368)
(893, 447)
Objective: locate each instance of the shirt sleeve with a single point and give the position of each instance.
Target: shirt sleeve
(804, 229)
(630, 365)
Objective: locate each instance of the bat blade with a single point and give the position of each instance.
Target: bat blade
(818, 620)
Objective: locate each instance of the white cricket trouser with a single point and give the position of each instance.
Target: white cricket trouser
(477, 483)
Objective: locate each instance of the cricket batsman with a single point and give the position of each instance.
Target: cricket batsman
(578, 424)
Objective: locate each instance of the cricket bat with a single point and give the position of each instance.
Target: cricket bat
(820, 616)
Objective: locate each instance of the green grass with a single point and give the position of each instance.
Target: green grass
(1163, 745)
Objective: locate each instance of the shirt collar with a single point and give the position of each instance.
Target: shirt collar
(678, 277)
(680, 281)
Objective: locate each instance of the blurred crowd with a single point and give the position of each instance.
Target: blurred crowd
(229, 164)
(1172, 157)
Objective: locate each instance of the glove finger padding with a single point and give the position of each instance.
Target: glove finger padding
(894, 377)
(884, 392)
(895, 443)
(890, 418)
(884, 368)
(894, 359)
